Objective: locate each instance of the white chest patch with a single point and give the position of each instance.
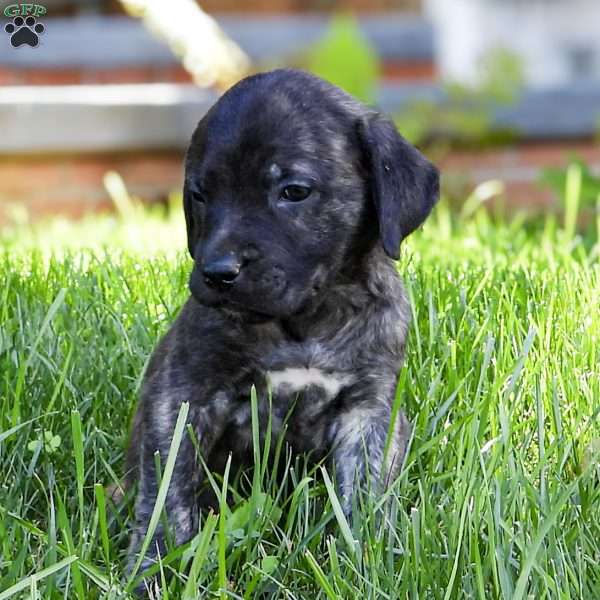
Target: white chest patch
(295, 379)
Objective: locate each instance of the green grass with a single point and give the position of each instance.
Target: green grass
(500, 497)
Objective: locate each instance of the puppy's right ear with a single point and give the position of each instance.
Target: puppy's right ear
(192, 216)
(192, 208)
(404, 184)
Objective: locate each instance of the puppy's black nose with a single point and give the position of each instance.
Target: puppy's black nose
(222, 271)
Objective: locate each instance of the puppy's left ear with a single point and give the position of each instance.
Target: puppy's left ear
(404, 184)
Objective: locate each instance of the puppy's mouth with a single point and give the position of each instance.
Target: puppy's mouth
(230, 306)
(243, 312)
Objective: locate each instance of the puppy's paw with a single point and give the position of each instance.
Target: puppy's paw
(115, 492)
(146, 586)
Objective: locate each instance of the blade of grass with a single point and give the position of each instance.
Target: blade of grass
(4, 435)
(339, 515)
(320, 576)
(223, 512)
(65, 527)
(204, 539)
(572, 196)
(32, 579)
(56, 304)
(101, 507)
(161, 496)
(532, 551)
(79, 466)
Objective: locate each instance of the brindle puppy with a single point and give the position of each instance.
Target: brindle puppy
(296, 199)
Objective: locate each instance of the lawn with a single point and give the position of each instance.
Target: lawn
(500, 495)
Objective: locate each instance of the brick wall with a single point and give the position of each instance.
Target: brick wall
(519, 167)
(74, 75)
(72, 185)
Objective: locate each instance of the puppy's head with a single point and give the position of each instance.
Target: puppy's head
(288, 180)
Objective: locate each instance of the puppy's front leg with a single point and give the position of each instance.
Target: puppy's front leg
(160, 412)
(360, 434)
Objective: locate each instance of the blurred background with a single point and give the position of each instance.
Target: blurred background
(503, 90)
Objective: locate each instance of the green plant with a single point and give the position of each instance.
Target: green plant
(465, 115)
(556, 179)
(346, 59)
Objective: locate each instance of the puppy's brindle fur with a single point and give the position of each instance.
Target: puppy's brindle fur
(306, 194)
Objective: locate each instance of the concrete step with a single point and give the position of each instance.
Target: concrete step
(91, 118)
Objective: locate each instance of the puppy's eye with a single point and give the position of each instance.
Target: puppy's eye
(295, 193)
(198, 197)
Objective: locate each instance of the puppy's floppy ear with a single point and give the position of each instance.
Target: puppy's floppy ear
(404, 184)
(191, 222)
(192, 160)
